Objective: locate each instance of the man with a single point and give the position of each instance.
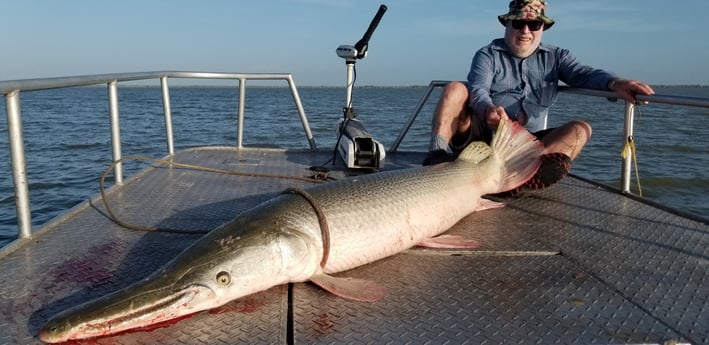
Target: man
(517, 78)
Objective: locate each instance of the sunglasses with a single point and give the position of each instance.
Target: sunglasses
(532, 25)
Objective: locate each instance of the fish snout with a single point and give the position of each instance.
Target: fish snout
(55, 332)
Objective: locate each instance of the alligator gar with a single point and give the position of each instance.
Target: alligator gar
(310, 235)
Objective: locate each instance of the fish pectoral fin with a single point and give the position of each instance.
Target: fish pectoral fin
(351, 288)
(449, 242)
(487, 204)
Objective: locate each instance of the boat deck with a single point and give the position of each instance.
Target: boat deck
(576, 263)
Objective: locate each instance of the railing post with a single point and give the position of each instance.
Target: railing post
(19, 166)
(240, 121)
(115, 130)
(301, 112)
(422, 101)
(627, 162)
(168, 115)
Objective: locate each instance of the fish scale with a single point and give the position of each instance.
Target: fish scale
(397, 204)
(281, 240)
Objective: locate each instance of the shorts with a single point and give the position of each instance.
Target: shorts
(480, 132)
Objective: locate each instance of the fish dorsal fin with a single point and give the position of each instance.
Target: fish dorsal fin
(476, 152)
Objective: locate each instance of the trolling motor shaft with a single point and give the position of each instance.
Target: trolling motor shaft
(356, 147)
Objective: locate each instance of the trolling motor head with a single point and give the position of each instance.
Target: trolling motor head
(349, 52)
(359, 50)
(356, 147)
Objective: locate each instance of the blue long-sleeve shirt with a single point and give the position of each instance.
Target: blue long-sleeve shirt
(529, 85)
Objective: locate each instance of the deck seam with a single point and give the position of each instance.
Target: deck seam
(627, 298)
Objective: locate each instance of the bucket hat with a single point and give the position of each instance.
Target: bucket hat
(527, 10)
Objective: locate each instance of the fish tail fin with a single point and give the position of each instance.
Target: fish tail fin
(519, 151)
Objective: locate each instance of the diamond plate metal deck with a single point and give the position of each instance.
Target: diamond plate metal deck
(477, 300)
(573, 264)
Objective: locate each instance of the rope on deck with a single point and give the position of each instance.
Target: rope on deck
(170, 163)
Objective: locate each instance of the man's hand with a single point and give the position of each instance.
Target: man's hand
(627, 89)
(493, 115)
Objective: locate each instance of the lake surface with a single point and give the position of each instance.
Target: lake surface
(67, 136)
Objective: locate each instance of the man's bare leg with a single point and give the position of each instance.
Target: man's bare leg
(450, 116)
(568, 139)
(561, 147)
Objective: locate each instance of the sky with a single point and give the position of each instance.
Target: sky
(656, 41)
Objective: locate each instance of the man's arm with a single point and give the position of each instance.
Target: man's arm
(480, 77)
(576, 74)
(627, 89)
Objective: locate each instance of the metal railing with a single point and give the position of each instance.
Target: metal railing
(13, 88)
(628, 130)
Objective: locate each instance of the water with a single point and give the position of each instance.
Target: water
(67, 136)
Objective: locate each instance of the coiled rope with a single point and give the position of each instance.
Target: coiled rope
(318, 177)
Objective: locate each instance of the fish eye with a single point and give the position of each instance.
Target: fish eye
(223, 278)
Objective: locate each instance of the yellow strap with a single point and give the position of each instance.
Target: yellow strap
(630, 148)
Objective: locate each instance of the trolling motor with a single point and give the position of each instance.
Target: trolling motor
(355, 146)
